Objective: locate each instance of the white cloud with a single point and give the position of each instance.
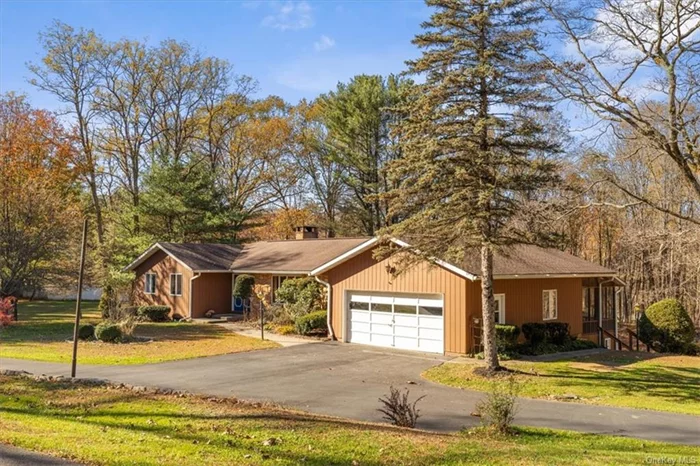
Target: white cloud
(324, 43)
(290, 16)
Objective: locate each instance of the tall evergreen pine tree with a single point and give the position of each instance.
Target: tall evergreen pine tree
(473, 145)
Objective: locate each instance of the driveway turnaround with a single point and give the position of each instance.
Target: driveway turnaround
(347, 380)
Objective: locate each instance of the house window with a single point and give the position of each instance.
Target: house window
(277, 281)
(175, 284)
(500, 311)
(150, 284)
(549, 304)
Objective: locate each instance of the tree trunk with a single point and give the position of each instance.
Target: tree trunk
(488, 306)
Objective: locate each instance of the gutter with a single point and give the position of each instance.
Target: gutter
(328, 306)
(192, 279)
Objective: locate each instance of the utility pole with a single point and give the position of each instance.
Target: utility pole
(77, 301)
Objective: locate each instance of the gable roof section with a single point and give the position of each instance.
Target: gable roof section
(315, 256)
(194, 256)
(204, 256)
(520, 261)
(293, 256)
(525, 260)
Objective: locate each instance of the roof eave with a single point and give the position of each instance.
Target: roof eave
(148, 253)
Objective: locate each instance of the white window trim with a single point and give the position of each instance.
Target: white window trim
(171, 284)
(556, 307)
(145, 285)
(502, 311)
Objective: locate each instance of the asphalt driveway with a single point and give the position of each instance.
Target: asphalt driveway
(347, 380)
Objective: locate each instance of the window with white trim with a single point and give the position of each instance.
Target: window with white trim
(150, 283)
(499, 313)
(549, 304)
(175, 284)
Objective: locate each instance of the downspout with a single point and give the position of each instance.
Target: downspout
(328, 306)
(192, 279)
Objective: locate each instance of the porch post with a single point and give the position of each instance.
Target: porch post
(600, 313)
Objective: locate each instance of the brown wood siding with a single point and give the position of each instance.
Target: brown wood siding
(211, 291)
(364, 273)
(163, 265)
(524, 300)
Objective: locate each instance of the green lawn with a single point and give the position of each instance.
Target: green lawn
(45, 329)
(112, 426)
(635, 380)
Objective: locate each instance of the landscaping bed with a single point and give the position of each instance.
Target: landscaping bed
(114, 426)
(45, 328)
(634, 380)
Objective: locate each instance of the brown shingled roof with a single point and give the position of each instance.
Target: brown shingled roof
(204, 256)
(523, 260)
(292, 256)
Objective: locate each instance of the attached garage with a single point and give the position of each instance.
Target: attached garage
(402, 321)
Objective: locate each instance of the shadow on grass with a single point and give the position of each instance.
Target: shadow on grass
(52, 321)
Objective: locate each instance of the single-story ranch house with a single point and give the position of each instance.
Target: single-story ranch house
(431, 307)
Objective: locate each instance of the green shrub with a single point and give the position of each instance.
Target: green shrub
(285, 329)
(103, 307)
(499, 407)
(506, 337)
(243, 286)
(154, 313)
(666, 326)
(311, 323)
(556, 332)
(582, 344)
(300, 296)
(535, 333)
(86, 332)
(109, 332)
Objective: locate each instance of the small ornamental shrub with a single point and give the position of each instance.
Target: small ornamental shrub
(285, 329)
(5, 319)
(666, 327)
(499, 407)
(556, 332)
(154, 313)
(397, 409)
(243, 286)
(86, 332)
(7, 306)
(311, 323)
(534, 332)
(108, 332)
(506, 337)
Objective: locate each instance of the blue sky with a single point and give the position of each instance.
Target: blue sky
(295, 49)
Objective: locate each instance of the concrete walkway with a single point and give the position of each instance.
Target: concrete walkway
(283, 340)
(347, 380)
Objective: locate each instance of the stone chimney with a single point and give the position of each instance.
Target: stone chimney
(306, 232)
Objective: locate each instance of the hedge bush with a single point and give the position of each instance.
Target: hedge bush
(311, 323)
(556, 332)
(243, 286)
(506, 337)
(535, 333)
(108, 331)
(154, 313)
(666, 326)
(300, 296)
(86, 332)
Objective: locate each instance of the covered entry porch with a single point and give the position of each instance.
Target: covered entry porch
(602, 300)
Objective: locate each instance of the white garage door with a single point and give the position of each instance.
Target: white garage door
(413, 322)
